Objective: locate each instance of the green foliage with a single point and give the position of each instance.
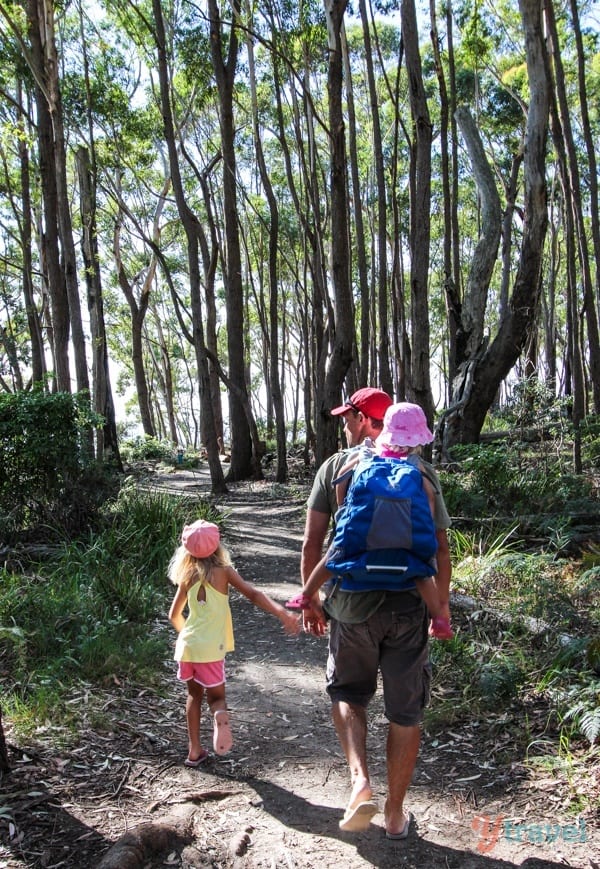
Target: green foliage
(46, 479)
(146, 448)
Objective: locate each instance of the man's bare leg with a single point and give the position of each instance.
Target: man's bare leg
(402, 750)
(351, 727)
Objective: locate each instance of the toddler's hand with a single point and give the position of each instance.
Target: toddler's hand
(291, 624)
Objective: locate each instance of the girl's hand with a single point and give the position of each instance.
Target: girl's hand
(291, 624)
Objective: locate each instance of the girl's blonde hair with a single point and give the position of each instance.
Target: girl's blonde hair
(185, 570)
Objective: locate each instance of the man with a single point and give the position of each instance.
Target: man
(372, 631)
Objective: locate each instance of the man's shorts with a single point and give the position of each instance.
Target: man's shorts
(393, 640)
(208, 675)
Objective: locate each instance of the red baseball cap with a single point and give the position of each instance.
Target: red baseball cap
(372, 402)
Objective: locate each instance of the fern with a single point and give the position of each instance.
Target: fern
(585, 719)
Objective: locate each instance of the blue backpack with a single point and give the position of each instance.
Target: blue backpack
(384, 531)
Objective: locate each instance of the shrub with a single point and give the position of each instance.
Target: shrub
(46, 479)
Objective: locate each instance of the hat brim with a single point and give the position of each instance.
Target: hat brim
(338, 411)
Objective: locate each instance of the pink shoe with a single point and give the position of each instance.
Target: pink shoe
(440, 629)
(299, 602)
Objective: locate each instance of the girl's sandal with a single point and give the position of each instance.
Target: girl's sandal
(222, 737)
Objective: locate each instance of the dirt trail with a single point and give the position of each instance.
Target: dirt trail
(278, 797)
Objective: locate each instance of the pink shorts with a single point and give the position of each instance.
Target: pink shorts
(208, 675)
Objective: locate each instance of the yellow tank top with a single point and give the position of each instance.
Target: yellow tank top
(208, 631)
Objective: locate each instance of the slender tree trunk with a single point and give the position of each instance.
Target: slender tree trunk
(107, 441)
(138, 310)
(189, 222)
(463, 421)
(243, 462)
(4, 764)
(385, 374)
(420, 225)
(38, 361)
(574, 203)
(451, 296)
(368, 330)
(590, 148)
(274, 375)
(57, 291)
(341, 354)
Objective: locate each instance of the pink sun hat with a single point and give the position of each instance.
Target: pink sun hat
(404, 425)
(201, 538)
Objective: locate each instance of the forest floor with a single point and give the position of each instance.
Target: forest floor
(116, 794)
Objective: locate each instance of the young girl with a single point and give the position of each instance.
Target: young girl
(202, 570)
(404, 430)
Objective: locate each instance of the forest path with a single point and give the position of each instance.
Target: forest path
(277, 798)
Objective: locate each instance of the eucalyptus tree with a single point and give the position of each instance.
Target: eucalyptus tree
(340, 356)
(420, 227)
(190, 223)
(484, 371)
(273, 273)
(565, 145)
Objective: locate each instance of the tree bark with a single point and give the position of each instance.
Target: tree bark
(343, 341)
(469, 338)
(107, 441)
(189, 221)
(484, 373)
(243, 463)
(420, 223)
(274, 343)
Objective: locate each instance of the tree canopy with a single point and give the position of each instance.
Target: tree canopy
(231, 214)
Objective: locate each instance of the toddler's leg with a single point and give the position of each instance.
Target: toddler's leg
(222, 737)
(440, 623)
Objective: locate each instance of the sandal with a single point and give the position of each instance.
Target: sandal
(299, 602)
(440, 629)
(194, 764)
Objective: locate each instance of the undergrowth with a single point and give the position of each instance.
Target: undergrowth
(89, 611)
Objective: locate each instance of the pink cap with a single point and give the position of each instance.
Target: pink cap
(404, 425)
(372, 402)
(201, 538)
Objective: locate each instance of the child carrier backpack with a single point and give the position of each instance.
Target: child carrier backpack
(384, 531)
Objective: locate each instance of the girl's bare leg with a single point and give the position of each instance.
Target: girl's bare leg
(193, 711)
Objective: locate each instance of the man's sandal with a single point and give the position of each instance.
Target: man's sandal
(299, 602)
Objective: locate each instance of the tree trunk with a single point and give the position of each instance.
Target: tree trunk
(4, 765)
(343, 342)
(107, 441)
(420, 225)
(469, 338)
(573, 202)
(50, 252)
(190, 227)
(274, 374)
(138, 310)
(38, 361)
(590, 151)
(451, 291)
(383, 341)
(484, 373)
(368, 329)
(243, 463)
